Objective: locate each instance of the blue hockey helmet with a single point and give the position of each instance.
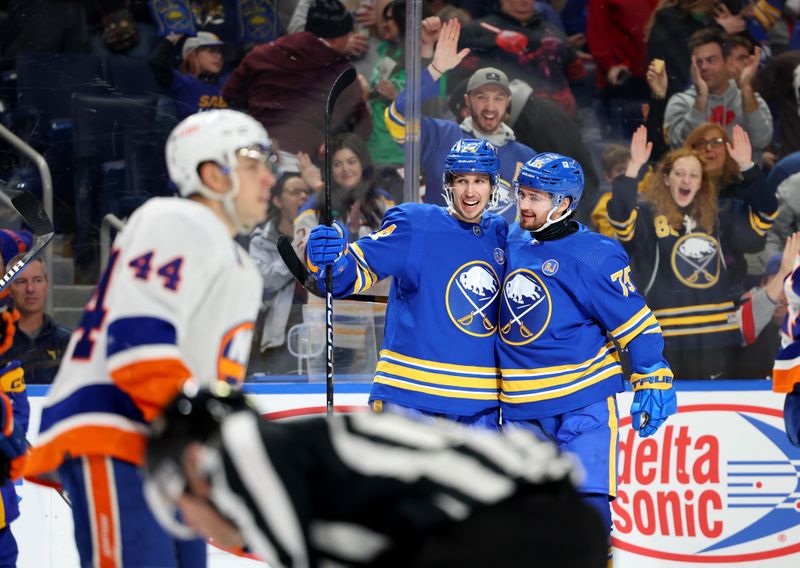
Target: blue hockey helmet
(471, 156)
(558, 175)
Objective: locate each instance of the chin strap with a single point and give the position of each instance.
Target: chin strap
(556, 229)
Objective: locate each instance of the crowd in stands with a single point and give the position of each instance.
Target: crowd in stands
(685, 115)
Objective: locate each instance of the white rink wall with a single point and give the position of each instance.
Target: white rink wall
(718, 485)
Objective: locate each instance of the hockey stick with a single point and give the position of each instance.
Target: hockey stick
(33, 214)
(339, 85)
(300, 273)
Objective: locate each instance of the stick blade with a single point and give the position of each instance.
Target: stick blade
(296, 266)
(340, 84)
(32, 212)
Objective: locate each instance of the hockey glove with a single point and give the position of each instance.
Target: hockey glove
(653, 400)
(791, 415)
(8, 317)
(327, 245)
(13, 449)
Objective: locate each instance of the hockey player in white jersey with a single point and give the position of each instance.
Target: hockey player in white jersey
(177, 302)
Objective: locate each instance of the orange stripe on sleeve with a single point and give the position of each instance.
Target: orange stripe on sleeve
(151, 384)
(783, 380)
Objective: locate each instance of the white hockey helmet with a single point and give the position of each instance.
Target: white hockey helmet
(213, 136)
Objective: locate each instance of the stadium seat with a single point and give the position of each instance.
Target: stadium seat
(101, 126)
(131, 76)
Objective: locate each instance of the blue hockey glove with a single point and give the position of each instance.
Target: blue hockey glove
(326, 245)
(791, 415)
(653, 400)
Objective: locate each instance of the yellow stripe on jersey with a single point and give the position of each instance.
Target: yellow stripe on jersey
(689, 310)
(698, 330)
(642, 321)
(385, 354)
(434, 378)
(519, 385)
(449, 393)
(365, 277)
(395, 123)
(544, 371)
(561, 392)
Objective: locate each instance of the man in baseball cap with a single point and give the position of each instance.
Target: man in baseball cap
(205, 39)
(487, 98)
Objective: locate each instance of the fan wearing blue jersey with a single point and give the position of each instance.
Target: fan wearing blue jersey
(446, 264)
(567, 305)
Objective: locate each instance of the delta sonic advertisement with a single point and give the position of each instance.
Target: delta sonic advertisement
(718, 484)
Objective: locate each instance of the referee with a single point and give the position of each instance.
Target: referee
(365, 489)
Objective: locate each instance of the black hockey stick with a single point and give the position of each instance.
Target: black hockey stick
(300, 273)
(344, 80)
(33, 214)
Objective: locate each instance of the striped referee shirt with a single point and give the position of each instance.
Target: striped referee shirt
(343, 491)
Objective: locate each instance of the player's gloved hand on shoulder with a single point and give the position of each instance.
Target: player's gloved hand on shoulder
(327, 245)
(653, 400)
(13, 448)
(791, 415)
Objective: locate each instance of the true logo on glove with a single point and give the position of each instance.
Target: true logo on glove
(652, 382)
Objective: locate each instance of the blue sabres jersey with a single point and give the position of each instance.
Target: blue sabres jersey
(562, 303)
(438, 350)
(12, 383)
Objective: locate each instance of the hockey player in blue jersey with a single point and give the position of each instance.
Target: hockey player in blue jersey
(567, 299)
(14, 413)
(438, 356)
(488, 99)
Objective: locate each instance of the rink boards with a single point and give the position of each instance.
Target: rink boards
(720, 484)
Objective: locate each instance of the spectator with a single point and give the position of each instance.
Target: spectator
(670, 28)
(785, 180)
(739, 51)
(715, 96)
(282, 299)
(615, 33)
(356, 198)
(735, 176)
(518, 40)
(388, 78)
(674, 237)
(779, 84)
(614, 161)
(284, 84)
(761, 316)
(197, 84)
(39, 342)
(486, 100)
(365, 16)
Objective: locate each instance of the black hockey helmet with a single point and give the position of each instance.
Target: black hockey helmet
(195, 415)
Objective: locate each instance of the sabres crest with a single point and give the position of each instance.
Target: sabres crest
(471, 298)
(696, 260)
(526, 307)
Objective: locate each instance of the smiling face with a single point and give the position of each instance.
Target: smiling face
(488, 106)
(711, 146)
(471, 193)
(684, 180)
(347, 168)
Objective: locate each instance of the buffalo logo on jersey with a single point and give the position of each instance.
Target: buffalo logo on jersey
(234, 353)
(695, 260)
(526, 307)
(471, 298)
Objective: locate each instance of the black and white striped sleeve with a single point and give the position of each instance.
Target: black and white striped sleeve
(349, 488)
